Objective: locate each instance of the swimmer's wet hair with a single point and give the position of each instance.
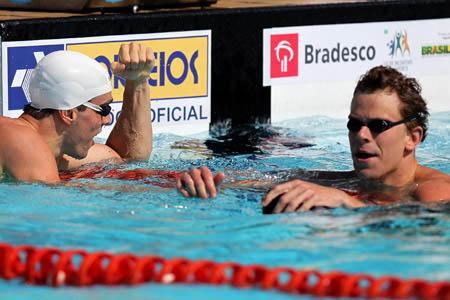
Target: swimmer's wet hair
(37, 113)
(407, 89)
(42, 113)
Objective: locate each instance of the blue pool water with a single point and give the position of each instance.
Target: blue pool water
(404, 240)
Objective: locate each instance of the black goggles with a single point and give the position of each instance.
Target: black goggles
(103, 110)
(375, 125)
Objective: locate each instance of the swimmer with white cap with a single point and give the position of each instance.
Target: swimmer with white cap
(70, 103)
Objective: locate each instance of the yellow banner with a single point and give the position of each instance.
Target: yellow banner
(181, 69)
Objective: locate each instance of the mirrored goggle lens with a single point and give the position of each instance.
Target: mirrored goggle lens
(376, 125)
(106, 109)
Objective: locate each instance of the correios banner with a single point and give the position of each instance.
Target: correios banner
(180, 81)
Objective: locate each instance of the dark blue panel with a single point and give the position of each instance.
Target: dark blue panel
(21, 61)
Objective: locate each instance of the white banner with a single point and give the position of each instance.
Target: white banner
(314, 69)
(341, 52)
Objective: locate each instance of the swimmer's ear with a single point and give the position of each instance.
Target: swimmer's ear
(67, 116)
(414, 138)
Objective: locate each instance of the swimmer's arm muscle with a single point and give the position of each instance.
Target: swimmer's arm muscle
(131, 137)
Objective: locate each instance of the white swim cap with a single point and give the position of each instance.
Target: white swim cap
(66, 79)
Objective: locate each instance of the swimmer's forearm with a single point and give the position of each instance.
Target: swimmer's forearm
(320, 174)
(282, 176)
(131, 137)
(250, 183)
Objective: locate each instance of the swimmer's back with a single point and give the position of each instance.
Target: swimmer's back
(24, 154)
(6, 125)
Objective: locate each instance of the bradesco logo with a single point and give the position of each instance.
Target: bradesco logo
(21, 62)
(338, 54)
(283, 55)
(181, 69)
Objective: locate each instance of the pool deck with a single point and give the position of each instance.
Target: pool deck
(8, 14)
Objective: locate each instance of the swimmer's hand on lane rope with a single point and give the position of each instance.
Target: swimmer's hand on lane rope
(136, 62)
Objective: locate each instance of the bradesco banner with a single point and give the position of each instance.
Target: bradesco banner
(180, 80)
(312, 70)
(345, 51)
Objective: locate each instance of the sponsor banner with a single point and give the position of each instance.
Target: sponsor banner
(284, 55)
(331, 58)
(192, 113)
(346, 51)
(180, 81)
(181, 70)
(20, 64)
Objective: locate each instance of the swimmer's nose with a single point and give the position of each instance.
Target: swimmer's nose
(364, 133)
(107, 120)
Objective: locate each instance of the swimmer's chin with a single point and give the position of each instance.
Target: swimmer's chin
(78, 156)
(365, 172)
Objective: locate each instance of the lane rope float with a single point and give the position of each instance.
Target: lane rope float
(75, 267)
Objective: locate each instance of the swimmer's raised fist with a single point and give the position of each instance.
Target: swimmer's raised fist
(136, 61)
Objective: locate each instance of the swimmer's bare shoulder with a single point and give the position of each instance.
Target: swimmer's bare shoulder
(24, 154)
(432, 185)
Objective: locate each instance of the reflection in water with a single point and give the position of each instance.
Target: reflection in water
(245, 139)
(407, 217)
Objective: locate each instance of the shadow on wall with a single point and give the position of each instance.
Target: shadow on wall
(82, 5)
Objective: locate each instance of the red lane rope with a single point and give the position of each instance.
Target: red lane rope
(55, 267)
(147, 176)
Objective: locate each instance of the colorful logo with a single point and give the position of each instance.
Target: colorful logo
(21, 63)
(284, 55)
(181, 69)
(434, 50)
(398, 45)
